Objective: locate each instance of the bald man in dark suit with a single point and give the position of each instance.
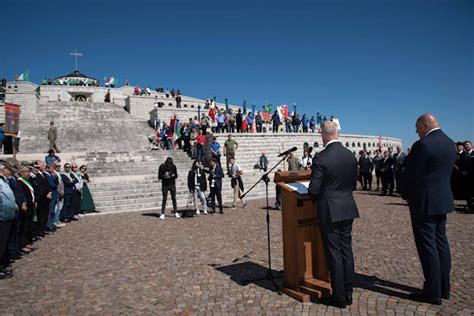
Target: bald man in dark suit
(426, 187)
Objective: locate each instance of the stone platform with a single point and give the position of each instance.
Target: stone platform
(133, 263)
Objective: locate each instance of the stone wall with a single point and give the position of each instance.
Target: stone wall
(24, 94)
(97, 94)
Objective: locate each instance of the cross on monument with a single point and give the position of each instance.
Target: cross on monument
(76, 54)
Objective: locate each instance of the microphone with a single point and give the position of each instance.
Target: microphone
(287, 152)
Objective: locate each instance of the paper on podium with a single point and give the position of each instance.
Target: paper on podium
(299, 187)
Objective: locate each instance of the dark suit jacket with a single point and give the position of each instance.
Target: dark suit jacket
(426, 180)
(466, 162)
(40, 185)
(217, 174)
(333, 178)
(17, 191)
(68, 184)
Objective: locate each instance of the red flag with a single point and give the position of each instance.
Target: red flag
(12, 119)
(212, 114)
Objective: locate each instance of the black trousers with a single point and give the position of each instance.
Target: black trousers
(42, 213)
(76, 202)
(26, 221)
(367, 180)
(216, 193)
(165, 189)
(4, 233)
(337, 240)
(387, 181)
(275, 128)
(67, 211)
(433, 249)
(14, 237)
(378, 176)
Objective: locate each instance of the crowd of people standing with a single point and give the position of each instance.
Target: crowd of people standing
(37, 198)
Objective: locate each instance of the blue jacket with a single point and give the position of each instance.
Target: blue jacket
(53, 185)
(7, 201)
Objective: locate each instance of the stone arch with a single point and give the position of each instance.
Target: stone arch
(353, 144)
(170, 104)
(185, 105)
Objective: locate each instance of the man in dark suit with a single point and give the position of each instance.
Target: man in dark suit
(466, 169)
(387, 173)
(215, 185)
(333, 179)
(426, 187)
(67, 212)
(365, 169)
(42, 197)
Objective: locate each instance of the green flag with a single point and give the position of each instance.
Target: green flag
(24, 76)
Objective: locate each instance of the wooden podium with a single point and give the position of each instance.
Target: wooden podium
(305, 274)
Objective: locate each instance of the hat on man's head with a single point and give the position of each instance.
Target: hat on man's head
(11, 163)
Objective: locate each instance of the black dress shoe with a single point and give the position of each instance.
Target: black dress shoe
(5, 274)
(445, 297)
(349, 299)
(421, 298)
(332, 302)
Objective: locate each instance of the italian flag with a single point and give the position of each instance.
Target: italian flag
(111, 81)
(177, 132)
(24, 76)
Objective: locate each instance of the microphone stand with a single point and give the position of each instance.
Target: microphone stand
(269, 276)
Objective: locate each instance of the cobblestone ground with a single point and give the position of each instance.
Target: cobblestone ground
(136, 264)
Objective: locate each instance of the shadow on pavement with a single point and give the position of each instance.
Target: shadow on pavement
(151, 214)
(241, 273)
(375, 284)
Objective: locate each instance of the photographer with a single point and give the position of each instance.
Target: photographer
(167, 173)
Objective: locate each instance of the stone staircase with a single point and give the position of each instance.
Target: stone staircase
(83, 127)
(129, 181)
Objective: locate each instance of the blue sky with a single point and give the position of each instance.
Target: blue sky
(377, 65)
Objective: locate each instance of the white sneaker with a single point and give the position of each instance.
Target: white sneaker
(162, 216)
(177, 215)
(197, 212)
(60, 225)
(205, 212)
